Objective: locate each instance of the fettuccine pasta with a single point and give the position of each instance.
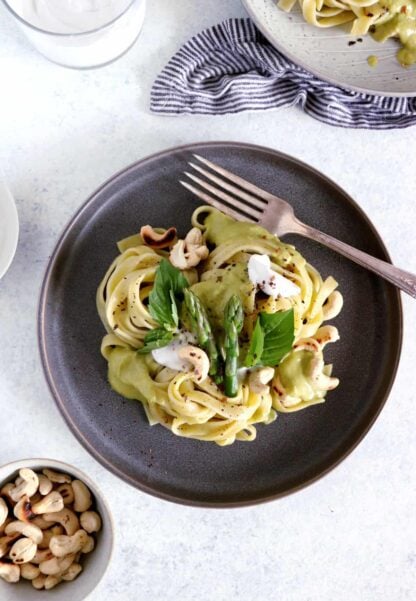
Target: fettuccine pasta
(221, 351)
(384, 19)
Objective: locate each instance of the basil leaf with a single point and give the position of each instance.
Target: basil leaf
(169, 283)
(155, 339)
(273, 337)
(255, 350)
(279, 335)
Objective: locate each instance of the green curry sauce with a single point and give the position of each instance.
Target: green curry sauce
(403, 26)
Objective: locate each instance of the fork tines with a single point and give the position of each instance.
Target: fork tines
(237, 202)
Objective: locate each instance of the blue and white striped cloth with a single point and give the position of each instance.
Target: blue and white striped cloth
(231, 67)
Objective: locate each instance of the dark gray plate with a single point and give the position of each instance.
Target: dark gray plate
(293, 451)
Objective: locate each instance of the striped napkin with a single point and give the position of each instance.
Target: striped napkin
(231, 67)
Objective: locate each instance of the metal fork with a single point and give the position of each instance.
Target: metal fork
(246, 202)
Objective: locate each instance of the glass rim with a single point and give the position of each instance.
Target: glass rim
(65, 35)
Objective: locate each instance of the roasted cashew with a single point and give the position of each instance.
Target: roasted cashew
(63, 544)
(333, 305)
(9, 572)
(4, 511)
(52, 503)
(3, 526)
(45, 485)
(326, 334)
(56, 565)
(42, 555)
(23, 550)
(90, 521)
(156, 240)
(39, 582)
(5, 543)
(57, 477)
(51, 582)
(198, 358)
(259, 378)
(72, 572)
(189, 252)
(82, 496)
(23, 509)
(48, 534)
(66, 517)
(89, 545)
(67, 493)
(27, 485)
(29, 571)
(5, 491)
(26, 529)
(41, 522)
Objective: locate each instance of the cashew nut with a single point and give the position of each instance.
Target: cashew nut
(45, 485)
(56, 477)
(4, 511)
(72, 572)
(27, 484)
(82, 496)
(198, 358)
(23, 550)
(52, 503)
(90, 521)
(3, 526)
(39, 582)
(48, 534)
(326, 334)
(9, 572)
(23, 509)
(67, 493)
(89, 545)
(5, 491)
(333, 305)
(5, 542)
(66, 517)
(189, 252)
(155, 239)
(317, 373)
(259, 378)
(62, 545)
(40, 521)
(42, 555)
(28, 571)
(56, 565)
(27, 529)
(51, 582)
(36, 498)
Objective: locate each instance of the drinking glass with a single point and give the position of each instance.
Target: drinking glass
(79, 33)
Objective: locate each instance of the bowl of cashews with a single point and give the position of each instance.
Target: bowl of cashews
(56, 532)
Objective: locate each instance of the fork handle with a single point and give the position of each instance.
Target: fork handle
(404, 280)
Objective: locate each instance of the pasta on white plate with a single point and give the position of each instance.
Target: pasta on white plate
(384, 19)
(217, 332)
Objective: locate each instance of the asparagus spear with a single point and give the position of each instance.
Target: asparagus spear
(233, 323)
(202, 329)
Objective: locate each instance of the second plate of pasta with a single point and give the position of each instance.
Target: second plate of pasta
(204, 360)
(333, 40)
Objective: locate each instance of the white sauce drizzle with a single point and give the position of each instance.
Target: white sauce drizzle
(271, 283)
(168, 355)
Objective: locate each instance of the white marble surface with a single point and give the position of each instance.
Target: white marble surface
(349, 536)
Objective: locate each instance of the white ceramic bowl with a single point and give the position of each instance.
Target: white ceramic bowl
(326, 51)
(94, 564)
(9, 228)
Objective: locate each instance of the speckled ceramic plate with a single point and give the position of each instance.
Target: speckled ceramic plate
(327, 53)
(286, 455)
